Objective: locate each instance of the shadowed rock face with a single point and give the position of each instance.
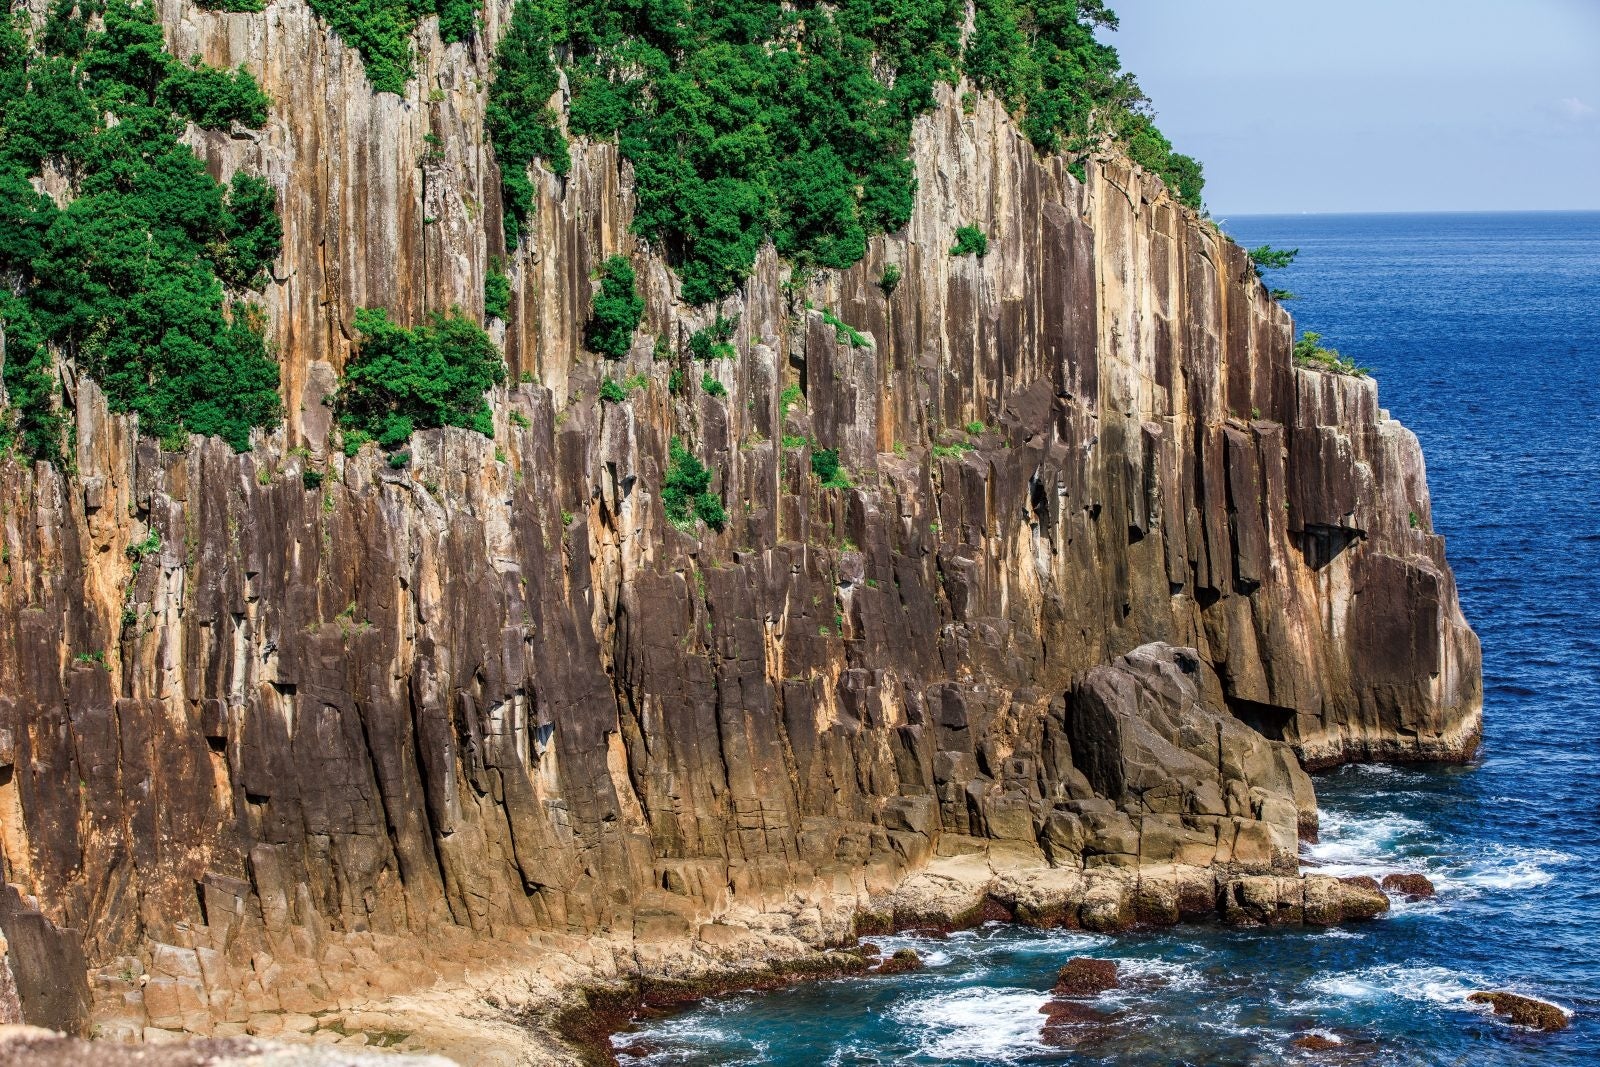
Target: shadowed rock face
(315, 735)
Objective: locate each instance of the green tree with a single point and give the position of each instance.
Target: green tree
(686, 490)
(519, 119)
(142, 277)
(618, 310)
(403, 380)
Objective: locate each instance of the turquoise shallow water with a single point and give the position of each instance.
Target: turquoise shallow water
(1484, 334)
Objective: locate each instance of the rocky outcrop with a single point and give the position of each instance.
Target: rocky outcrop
(269, 748)
(1524, 1011)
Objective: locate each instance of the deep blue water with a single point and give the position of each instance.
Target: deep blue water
(1484, 334)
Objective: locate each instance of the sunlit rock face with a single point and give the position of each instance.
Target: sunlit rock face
(321, 745)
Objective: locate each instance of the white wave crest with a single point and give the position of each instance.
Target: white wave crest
(1422, 985)
(986, 1025)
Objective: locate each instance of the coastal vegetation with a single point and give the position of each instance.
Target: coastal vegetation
(382, 31)
(752, 119)
(618, 310)
(970, 241)
(1265, 257)
(138, 275)
(405, 379)
(686, 491)
(1309, 352)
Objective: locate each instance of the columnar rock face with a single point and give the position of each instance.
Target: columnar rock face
(255, 737)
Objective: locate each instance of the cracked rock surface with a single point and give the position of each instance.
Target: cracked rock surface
(387, 761)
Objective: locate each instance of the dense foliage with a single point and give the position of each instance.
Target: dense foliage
(618, 310)
(496, 294)
(520, 120)
(749, 119)
(714, 341)
(686, 493)
(381, 30)
(412, 379)
(128, 281)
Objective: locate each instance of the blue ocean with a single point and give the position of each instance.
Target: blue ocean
(1483, 331)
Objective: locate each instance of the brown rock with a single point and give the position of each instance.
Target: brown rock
(496, 695)
(903, 960)
(1315, 1043)
(1085, 977)
(1410, 886)
(1362, 881)
(1070, 1023)
(1524, 1011)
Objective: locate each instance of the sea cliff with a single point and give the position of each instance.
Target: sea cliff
(1109, 570)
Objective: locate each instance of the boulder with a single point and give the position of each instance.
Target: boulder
(1085, 977)
(1410, 886)
(1150, 732)
(903, 960)
(1524, 1011)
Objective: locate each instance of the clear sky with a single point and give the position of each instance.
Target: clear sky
(1375, 105)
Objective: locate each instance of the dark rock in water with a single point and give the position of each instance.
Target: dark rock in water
(1362, 881)
(638, 1049)
(905, 959)
(1524, 1011)
(1316, 1043)
(1084, 977)
(867, 948)
(1071, 1023)
(1411, 886)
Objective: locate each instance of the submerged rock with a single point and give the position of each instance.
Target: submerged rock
(1085, 977)
(1524, 1011)
(1070, 1022)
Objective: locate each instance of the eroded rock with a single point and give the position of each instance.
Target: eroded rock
(1085, 977)
(1410, 886)
(1524, 1010)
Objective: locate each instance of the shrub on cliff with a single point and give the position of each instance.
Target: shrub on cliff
(970, 241)
(825, 465)
(685, 491)
(715, 341)
(618, 310)
(754, 120)
(139, 278)
(761, 120)
(216, 98)
(1042, 58)
(412, 379)
(496, 294)
(1308, 352)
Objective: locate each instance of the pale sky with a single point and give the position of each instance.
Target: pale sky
(1376, 105)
